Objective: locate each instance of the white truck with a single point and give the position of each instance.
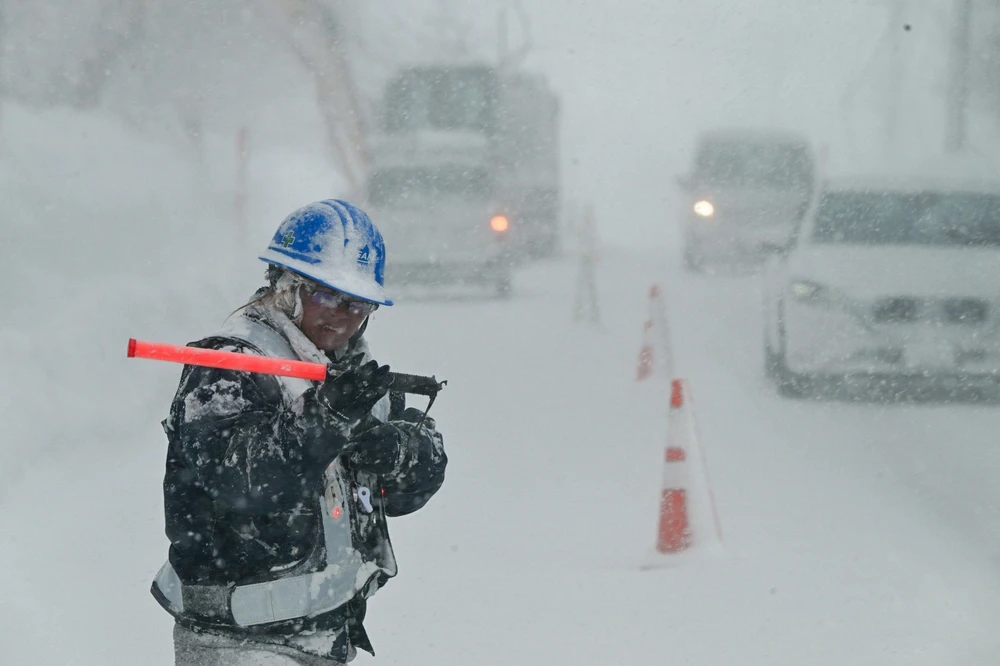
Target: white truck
(526, 150)
(464, 173)
(433, 197)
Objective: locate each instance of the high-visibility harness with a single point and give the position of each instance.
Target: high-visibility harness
(352, 512)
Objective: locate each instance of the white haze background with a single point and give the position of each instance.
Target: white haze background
(853, 534)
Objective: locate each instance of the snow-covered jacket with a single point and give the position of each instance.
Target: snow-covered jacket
(247, 482)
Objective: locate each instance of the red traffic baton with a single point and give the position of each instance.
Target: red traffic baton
(215, 358)
(284, 367)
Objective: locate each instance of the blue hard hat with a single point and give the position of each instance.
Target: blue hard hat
(336, 244)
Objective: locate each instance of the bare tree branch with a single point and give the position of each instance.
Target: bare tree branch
(315, 36)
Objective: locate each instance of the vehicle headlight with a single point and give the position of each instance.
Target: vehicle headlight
(813, 292)
(805, 290)
(704, 208)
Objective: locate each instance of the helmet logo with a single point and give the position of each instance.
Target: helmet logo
(288, 239)
(364, 256)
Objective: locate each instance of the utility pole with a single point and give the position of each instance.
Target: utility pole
(3, 60)
(894, 80)
(502, 37)
(958, 80)
(884, 73)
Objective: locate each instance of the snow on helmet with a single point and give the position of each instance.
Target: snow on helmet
(337, 245)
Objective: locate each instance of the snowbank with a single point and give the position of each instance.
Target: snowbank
(109, 235)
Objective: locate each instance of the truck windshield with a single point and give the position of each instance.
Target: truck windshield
(754, 164)
(886, 218)
(441, 98)
(403, 186)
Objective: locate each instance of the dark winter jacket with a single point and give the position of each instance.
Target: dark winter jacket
(244, 477)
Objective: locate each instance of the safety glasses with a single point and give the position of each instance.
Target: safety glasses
(333, 300)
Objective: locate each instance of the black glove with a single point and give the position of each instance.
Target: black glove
(384, 448)
(412, 416)
(354, 392)
(326, 413)
(378, 450)
(408, 460)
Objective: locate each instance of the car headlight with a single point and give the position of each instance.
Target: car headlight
(704, 208)
(805, 290)
(808, 291)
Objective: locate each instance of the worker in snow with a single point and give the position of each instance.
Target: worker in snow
(277, 489)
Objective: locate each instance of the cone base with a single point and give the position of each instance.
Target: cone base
(674, 534)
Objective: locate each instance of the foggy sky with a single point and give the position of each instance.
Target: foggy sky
(638, 79)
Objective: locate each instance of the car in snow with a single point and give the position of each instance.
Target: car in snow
(889, 286)
(746, 192)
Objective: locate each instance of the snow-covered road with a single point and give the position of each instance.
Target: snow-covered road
(854, 534)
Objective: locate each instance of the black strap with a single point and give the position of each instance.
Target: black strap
(397, 403)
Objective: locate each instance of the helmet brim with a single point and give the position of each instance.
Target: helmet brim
(355, 286)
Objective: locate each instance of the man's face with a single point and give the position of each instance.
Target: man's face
(329, 319)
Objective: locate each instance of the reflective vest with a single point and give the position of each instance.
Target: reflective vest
(355, 538)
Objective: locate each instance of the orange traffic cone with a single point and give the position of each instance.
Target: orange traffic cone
(676, 394)
(660, 338)
(674, 532)
(644, 367)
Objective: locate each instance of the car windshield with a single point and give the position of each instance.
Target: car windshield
(403, 186)
(885, 218)
(754, 164)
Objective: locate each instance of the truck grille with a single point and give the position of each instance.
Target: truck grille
(901, 310)
(965, 310)
(896, 310)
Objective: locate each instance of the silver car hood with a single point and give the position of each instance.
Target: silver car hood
(895, 270)
(739, 200)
